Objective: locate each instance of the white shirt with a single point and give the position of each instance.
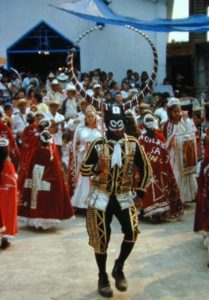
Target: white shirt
(26, 82)
(57, 137)
(82, 139)
(72, 123)
(18, 123)
(55, 96)
(71, 108)
(5, 91)
(124, 94)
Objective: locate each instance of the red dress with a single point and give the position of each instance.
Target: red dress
(44, 200)
(8, 199)
(201, 221)
(30, 142)
(162, 196)
(14, 153)
(2, 227)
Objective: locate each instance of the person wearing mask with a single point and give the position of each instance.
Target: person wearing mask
(110, 162)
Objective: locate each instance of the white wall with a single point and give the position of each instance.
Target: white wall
(113, 49)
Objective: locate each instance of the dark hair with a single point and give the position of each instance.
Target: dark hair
(112, 84)
(207, 111)
(164, 99)
(117, 93)
(8, 105)
(165, 95)
(44, 90)
(166, 79)
(144, 76)
(21, 90)
(3, 155)
(38, 97)
(107, 93)
(103, 76)
(31, 91)
(188, 108)
(131, 127)
(129, 71)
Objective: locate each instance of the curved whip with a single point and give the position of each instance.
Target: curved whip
(129, 104)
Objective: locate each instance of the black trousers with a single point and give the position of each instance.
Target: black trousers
(99, 229)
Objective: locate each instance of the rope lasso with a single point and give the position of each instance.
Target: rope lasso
(91, 99)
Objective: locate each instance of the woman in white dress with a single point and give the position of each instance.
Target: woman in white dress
(179, 132)
(84, 135)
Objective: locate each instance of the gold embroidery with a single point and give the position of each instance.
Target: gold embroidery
(147, 170)
(116, 180)
(96, 228)
(134, 223)
(122, 177)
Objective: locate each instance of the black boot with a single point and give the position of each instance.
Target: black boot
(120, 280)
(104, 288)
(4, 243)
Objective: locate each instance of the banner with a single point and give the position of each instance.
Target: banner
(98, 12)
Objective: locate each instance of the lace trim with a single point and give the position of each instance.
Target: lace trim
(155, 211)
(43, 223)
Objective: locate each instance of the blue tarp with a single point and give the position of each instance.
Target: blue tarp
(97, 11)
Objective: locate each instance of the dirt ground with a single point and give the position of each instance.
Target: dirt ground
(168, 262)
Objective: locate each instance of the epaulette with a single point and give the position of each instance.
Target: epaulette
(132, 138)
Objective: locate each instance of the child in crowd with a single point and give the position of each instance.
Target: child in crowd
(179, 132)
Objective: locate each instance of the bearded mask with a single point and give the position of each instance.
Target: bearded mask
(45, 138)
(150, 122)
(44, 125)
(114, 121)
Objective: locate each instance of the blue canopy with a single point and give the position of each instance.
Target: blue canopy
(97, 11)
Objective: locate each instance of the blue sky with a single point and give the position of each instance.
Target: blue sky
(180, 10)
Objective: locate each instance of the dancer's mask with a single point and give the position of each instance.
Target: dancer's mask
(114, 121)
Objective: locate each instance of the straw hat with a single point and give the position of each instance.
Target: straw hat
(54, 101)
(21, 101)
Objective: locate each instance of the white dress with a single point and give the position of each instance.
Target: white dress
(82, 139)
(187, 183)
